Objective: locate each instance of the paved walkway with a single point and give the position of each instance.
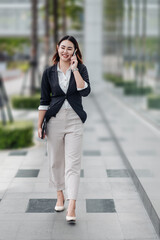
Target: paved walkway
(138, 103)
(108, 205)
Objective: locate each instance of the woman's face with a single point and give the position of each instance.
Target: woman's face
(65, 50)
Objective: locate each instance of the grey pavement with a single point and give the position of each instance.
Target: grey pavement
(108, 206)
(138, 103)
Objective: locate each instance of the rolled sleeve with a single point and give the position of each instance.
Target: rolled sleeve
(45, 90)
(43, 107)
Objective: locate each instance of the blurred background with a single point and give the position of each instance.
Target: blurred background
(29, 31)
(127, 50)
(120, 44)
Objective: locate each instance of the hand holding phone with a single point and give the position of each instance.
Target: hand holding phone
(74, 52)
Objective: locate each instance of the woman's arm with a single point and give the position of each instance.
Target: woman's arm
(40, 120)
(44, 101)
(45, 90)
(81, 78)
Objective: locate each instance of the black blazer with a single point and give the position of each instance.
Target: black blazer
(53, 95)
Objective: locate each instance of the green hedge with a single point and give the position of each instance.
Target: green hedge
(113, 78)
(134, 90)
(119, 81)
(16, 135)
(26, 102)
(130, 87)
(153, 101)
(22, 65)
(129, 83)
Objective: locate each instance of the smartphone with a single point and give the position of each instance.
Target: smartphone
(74, 52)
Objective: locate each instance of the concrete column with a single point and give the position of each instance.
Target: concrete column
(93, 39)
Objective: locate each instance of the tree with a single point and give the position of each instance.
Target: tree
(34, 45)
(74, 12)
(119, 24)
(144, 27)
(158, 70)
(55, 19)
(113, 12)
(129, 31)
(57, 12)
(137, 38)
(64, 17)
(62, 10)
(47, 31)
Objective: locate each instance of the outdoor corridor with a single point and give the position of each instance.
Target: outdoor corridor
(109, 206)
(119, 197)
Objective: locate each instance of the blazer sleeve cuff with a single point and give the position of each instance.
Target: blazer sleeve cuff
(43, 107)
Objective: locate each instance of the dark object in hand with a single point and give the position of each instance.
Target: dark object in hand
(44, 127)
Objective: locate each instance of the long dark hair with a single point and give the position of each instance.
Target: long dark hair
(56, 58)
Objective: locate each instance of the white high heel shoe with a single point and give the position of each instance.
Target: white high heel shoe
(60, 208)
(70, 219)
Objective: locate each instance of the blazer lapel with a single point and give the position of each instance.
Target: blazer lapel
(71, 81)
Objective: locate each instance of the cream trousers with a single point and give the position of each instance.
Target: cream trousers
(64, 145)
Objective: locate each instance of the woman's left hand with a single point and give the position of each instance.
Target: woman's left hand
(74, 62)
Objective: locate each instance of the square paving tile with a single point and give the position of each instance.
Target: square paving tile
(41, 205)
(105, 139)
(146, 152)
(117, 173)
(144, 173)
(18, 153)
(99, 121)
(121, 139)
(24, 173)
(89, 129)
(82, 173)
(100, 205)
(92, 153)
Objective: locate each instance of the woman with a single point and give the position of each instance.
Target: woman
(62, 88)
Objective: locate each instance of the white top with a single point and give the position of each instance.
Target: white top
(64, 83)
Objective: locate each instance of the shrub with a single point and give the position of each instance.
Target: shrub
(135, 90)
(26, 102)
(22, 65)
(16, 135)
(117, 80)
(129, 83)
(153, 101)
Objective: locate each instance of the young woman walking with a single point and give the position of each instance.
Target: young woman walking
(62, 88)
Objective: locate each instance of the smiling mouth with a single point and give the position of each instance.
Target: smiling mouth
(64, 55)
